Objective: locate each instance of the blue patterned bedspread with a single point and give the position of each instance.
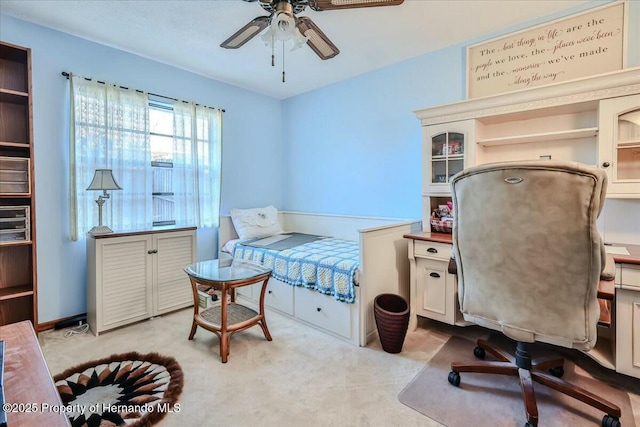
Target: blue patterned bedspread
(326, 265)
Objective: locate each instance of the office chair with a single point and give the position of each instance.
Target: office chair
(529, 260)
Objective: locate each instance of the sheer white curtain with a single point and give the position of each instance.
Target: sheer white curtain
(197, 164)
(109, 129)
(185, 172)
(209, 135)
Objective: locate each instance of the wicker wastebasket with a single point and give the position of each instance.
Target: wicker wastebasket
(391, 312)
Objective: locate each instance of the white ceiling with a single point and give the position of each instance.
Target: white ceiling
(187, 34)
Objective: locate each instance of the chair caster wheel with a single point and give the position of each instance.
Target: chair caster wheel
(454, 378)
(557, 372)
(479, 352)
(609, 421)
(529, 425)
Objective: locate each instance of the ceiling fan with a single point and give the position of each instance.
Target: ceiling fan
(285, 25)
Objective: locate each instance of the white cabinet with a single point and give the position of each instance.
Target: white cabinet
(595, 121)
(172, 251)
(445, 152)
(619, 144)
(134, 276)
(447, 149)
(628, 321)
(434, 292)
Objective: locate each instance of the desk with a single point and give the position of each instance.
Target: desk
(434, 295)
(227, 318)
(27, 379)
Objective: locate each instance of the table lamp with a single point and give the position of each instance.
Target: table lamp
(102, 180)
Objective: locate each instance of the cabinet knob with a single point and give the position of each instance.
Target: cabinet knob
(270, 292)
(606, 164)
(152, 251)
(434, 274)
(432, 250)
(319, 309)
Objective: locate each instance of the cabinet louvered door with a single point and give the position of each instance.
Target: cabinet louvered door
(126, 288)
(172, 286)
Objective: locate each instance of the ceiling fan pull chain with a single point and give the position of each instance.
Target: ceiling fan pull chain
(273, 51)
(283, 61)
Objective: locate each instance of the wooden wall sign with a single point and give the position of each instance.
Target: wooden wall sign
(584, 44)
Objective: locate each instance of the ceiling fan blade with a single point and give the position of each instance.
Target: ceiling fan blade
(317, 40)
(246, 33)
(319, 5)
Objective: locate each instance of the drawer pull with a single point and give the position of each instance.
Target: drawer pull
(270, 292)
(319, 309)
(432, 250)
(434, 274)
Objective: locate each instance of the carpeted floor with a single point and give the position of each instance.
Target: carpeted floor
(302, 378)
(495, 400)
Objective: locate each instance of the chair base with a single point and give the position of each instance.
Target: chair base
(529, 370)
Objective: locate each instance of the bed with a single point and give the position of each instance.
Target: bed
(375, 262)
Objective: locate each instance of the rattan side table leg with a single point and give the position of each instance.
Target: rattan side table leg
(224, 340)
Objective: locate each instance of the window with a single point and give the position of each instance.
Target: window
(161, 140)
(164, 154)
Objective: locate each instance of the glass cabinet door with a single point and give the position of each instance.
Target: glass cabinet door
(628, 146)
(619, 145)
(447, 156)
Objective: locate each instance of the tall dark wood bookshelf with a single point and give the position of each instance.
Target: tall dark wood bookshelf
(18, 278)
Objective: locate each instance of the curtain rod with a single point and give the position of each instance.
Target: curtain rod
(67, 74)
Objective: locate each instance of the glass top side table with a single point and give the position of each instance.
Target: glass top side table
(227, 318)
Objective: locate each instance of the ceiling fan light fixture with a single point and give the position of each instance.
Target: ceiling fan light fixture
(283, 28)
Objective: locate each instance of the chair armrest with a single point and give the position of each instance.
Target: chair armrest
(453, 267)
(606, 290)
(609, 270)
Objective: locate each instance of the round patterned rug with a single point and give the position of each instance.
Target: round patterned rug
(130, 389)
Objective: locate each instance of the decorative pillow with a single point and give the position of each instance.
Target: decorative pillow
(257, 222)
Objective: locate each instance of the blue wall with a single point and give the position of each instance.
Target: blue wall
(355, 147)
(351, 148)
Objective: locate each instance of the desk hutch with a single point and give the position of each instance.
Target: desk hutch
(593, 120)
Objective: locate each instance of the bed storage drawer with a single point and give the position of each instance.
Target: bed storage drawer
(323, 311)
(279, 295)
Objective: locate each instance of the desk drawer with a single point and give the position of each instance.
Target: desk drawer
(424, 249)
(323, 311)
(630, 277)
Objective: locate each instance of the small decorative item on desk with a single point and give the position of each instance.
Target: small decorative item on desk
(442, 218)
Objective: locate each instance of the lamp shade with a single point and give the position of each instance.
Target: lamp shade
(104, 180)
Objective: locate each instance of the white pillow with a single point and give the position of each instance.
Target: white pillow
(230, 246)
(257, 222)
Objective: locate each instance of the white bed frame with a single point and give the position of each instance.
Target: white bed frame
(384, 268)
